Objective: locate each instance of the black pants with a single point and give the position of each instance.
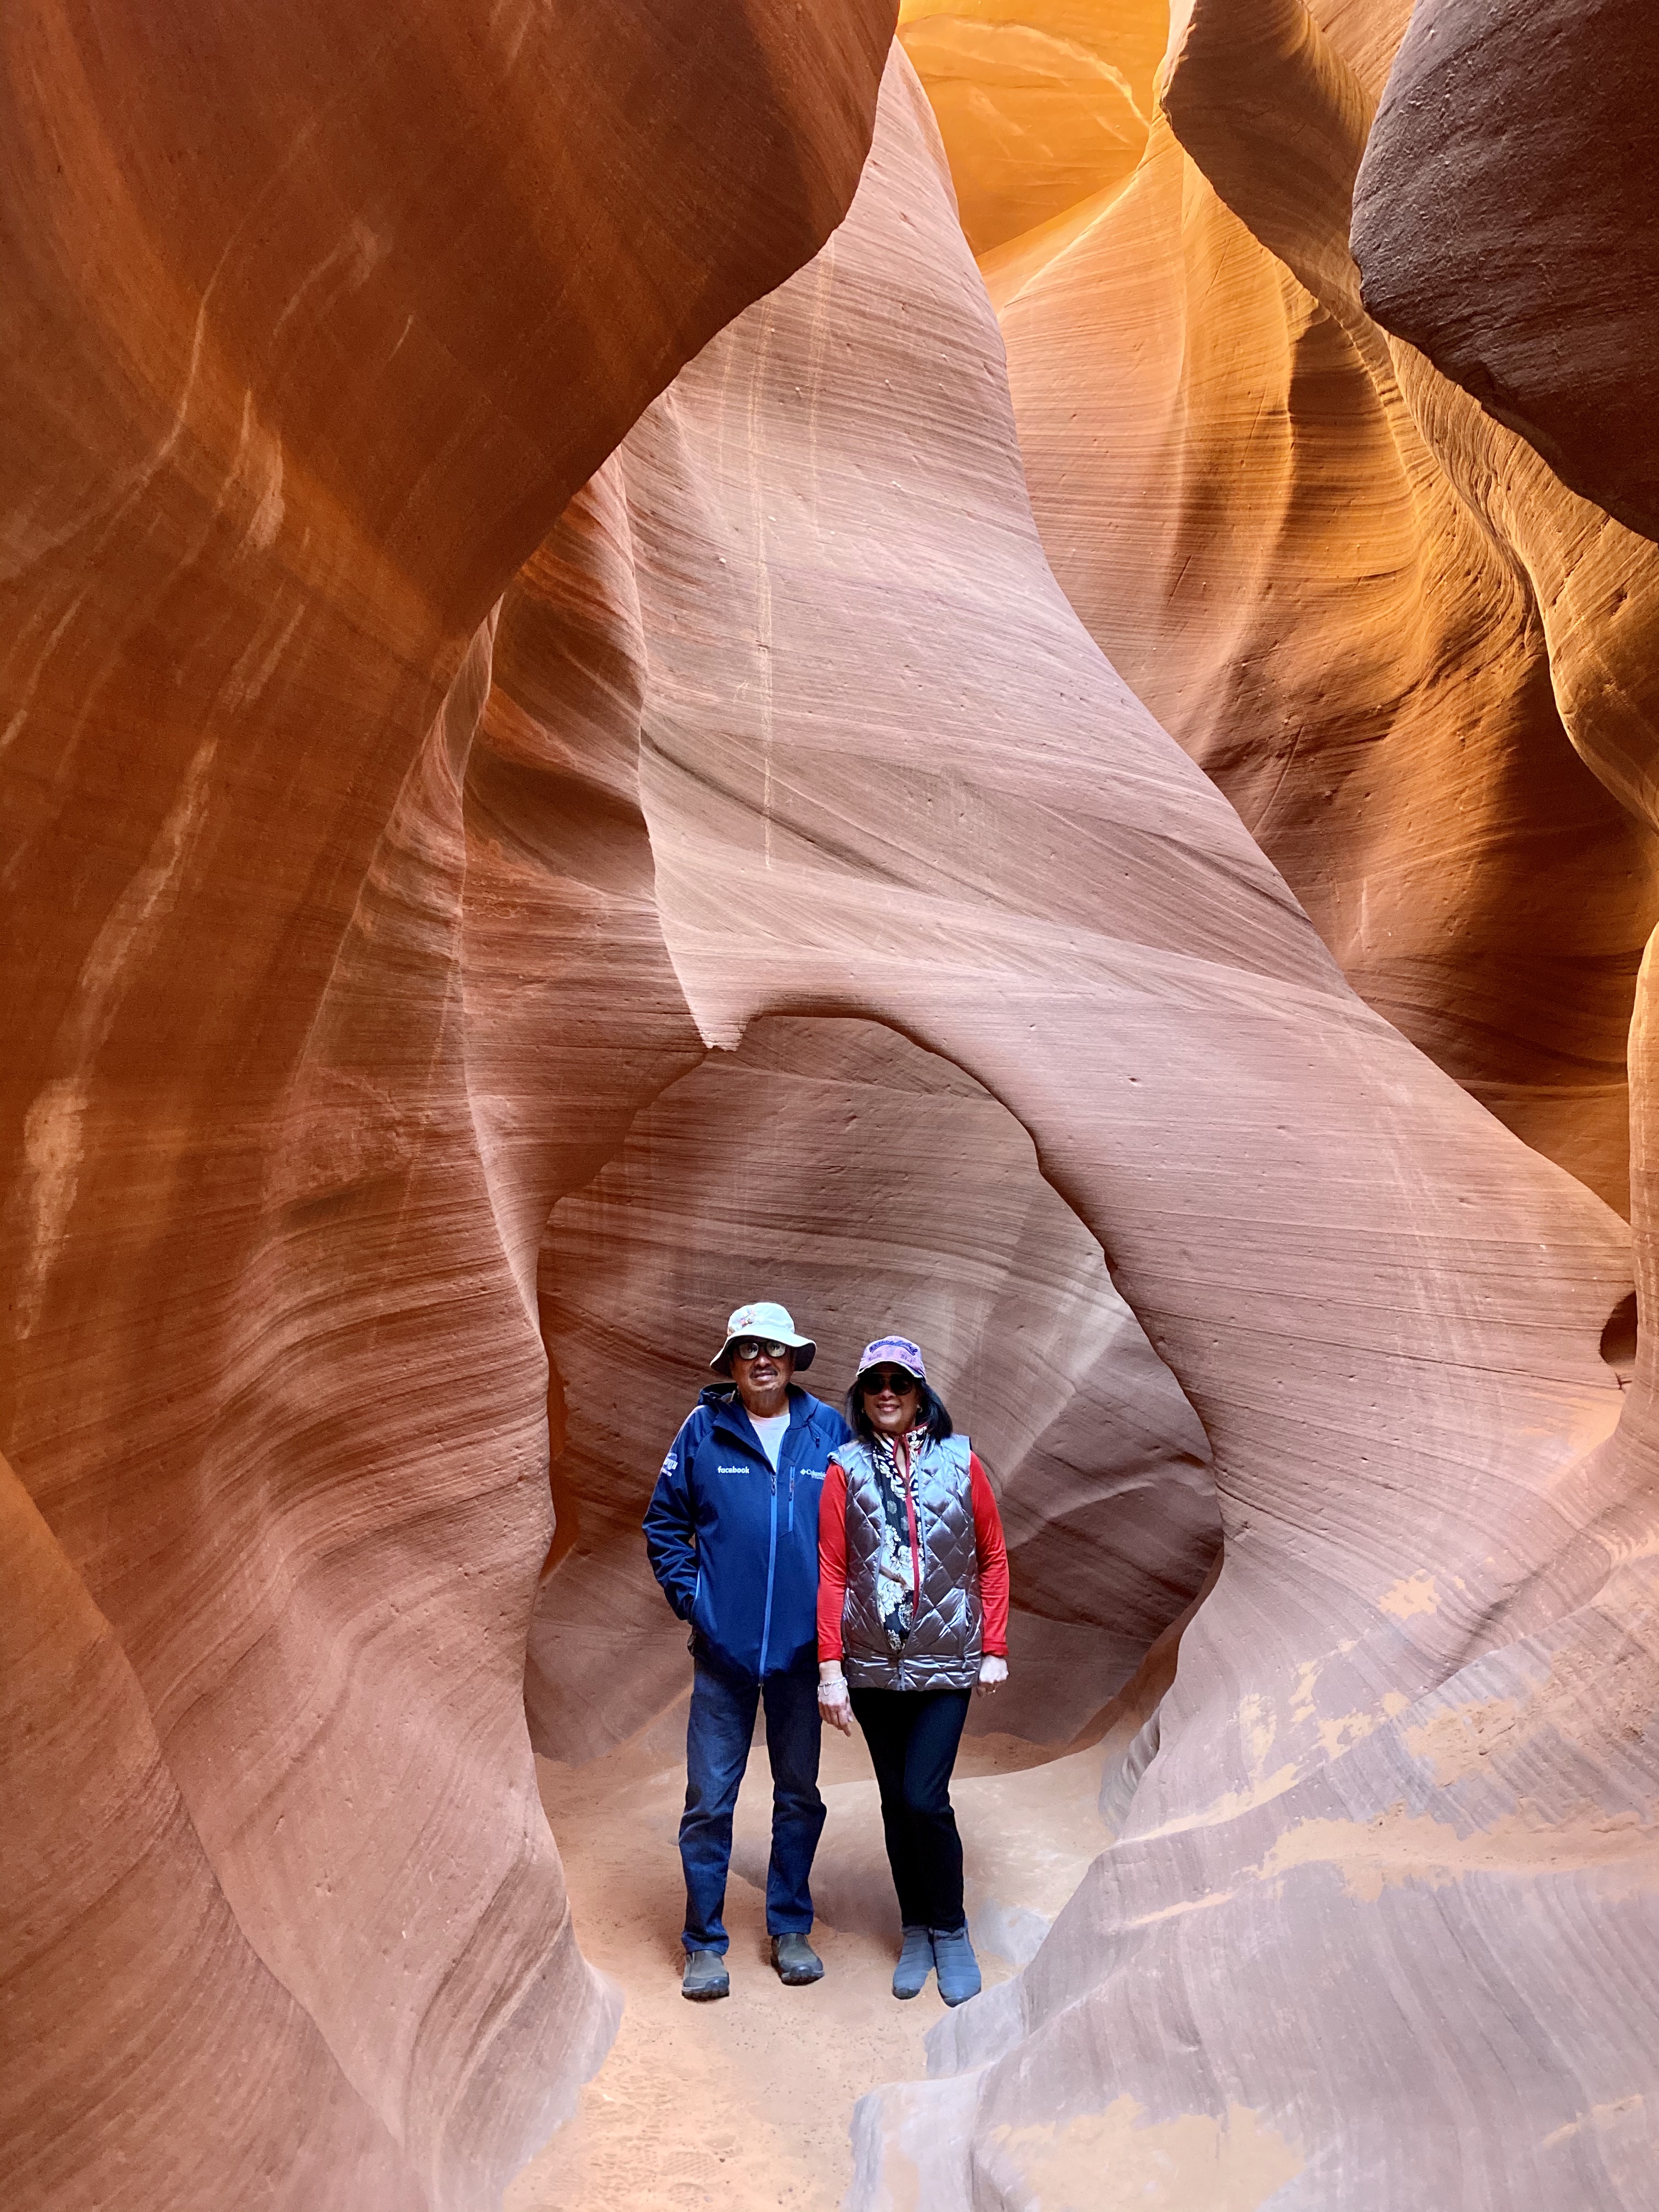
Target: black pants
(913, 1736)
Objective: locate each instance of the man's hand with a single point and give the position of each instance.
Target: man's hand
(834, 1704)
(991, 1672)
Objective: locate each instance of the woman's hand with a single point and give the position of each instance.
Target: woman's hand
(991, 1672)
(834, 1704)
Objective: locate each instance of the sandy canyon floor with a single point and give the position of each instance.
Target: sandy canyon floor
(745, 2104)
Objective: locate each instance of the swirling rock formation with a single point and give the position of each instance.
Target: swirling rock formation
(1367, 610)
(1504, 1810)
(399, 828)
(318, 320)
(1385, 1309)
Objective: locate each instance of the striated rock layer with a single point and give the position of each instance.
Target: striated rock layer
(318, 320)
(888, 775)
(1369, 612)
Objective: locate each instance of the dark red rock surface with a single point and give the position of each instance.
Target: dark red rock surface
(1506, 221)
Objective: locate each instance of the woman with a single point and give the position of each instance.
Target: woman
(912, 1618)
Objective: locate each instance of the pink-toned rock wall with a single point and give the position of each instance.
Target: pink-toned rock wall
(888, 775)
(1276, 1992)
(317, 319)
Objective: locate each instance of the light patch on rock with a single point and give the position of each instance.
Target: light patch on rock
(1115, 2161)
(1346, 1729)
(1577, 1700)
(1260, 1726)
(1599, 2117)
(52, 1145)
(1230, 1804)
(1398, 1846)
(910, 2146)
(256, 473)
(1456, 1743)
(1415, 1593)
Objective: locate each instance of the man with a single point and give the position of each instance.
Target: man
(732, 1534)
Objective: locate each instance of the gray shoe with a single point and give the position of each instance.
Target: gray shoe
(915, 1963)
(796, 1960)
(959, 1969)
(705, 1977)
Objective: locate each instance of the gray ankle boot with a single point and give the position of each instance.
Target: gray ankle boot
(959, 1969)
(915, 1963)
(796, 1960)
(705, 1977)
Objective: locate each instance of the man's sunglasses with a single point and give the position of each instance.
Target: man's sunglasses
(750, 1347)
(899, 1380)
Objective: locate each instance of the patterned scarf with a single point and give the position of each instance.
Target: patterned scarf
(896, 1569)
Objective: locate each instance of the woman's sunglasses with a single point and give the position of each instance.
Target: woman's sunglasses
(898, 1380)
(750, 1347)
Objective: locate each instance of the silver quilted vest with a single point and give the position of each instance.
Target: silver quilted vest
(945, 1645)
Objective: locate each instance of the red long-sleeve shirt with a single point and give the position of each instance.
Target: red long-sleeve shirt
(987, 1540)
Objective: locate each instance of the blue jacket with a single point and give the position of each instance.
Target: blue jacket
(735, 1546)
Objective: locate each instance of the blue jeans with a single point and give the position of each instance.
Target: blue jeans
(718, 1733)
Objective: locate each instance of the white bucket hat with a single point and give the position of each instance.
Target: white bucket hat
(772, 1324)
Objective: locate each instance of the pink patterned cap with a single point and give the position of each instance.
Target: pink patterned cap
(895, 1352)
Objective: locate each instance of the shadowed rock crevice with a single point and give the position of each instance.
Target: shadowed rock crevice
(1619, 1339)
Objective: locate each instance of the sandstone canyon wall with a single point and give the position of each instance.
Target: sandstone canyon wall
(316, 320)
(1187, 363)
(1386, 1311)
(456, 897)
(1371, 612)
